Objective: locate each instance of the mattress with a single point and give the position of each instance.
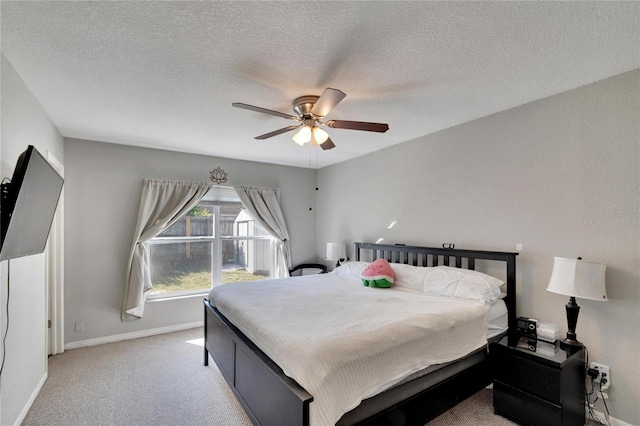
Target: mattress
(344, 342)
(497, 319)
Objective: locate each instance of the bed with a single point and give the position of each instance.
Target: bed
(271, 397)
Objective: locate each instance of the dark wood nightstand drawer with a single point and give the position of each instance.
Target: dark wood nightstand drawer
(524, 408)
(539, 380)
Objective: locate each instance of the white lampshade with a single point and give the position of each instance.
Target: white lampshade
(320, 135)
(577, 278)
(303, 135)
(336, 251)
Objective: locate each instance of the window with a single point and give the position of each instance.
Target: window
(215, 243)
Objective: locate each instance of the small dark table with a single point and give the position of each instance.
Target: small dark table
(537, 385)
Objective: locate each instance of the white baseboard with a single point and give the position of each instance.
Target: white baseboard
(132, 335)
(32, 398)
(612, 420)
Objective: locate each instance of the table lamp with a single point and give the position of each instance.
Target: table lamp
(577, 279)
(336, 251)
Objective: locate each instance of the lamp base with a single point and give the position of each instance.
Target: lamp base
(570, 345)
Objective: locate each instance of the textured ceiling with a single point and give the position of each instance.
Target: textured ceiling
(164, 74)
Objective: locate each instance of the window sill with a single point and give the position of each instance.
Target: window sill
(176, 297)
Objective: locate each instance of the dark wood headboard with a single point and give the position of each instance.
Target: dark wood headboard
(459, 258)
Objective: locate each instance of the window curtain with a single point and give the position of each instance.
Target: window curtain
(162, 203)
(263, 206)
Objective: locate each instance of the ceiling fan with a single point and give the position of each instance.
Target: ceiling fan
(310, 110)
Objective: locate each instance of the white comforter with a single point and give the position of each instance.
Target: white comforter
(344, 342)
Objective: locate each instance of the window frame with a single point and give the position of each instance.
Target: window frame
(216, 240)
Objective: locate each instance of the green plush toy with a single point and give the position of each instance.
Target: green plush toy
(378, 274)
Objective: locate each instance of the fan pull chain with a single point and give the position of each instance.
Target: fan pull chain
(316, 172)
(310, 192)
(311, 149)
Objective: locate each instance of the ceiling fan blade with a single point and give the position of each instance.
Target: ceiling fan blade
(277, 132)
(264, 111)
(358, 125)
(329, 99)
(328, 144)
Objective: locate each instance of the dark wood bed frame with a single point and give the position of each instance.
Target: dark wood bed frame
(269, 397)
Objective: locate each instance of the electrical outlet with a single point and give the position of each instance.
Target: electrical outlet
(79, 326)
(604, 374)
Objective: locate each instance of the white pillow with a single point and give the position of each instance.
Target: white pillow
(351, 269)
(463, 283)
(409, 276)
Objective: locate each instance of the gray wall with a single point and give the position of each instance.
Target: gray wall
(103, 186)
(560, 175)
(23, 123)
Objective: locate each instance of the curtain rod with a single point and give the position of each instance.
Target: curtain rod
(255, 187)
(176, 181)
(212, 185)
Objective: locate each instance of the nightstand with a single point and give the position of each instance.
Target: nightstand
(537, 387)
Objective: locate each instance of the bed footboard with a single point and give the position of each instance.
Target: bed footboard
(267, 395)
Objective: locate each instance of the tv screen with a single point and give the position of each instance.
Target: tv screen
(28, 205)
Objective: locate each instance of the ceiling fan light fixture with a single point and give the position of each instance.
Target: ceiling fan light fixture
(310, 109)
(303, 135)
(319, 135)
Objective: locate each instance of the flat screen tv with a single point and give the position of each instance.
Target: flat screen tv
(29, 203)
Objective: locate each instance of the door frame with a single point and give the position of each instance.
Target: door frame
(54, 259)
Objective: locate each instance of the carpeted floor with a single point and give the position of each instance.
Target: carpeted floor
(476, 410)
(160, 380)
